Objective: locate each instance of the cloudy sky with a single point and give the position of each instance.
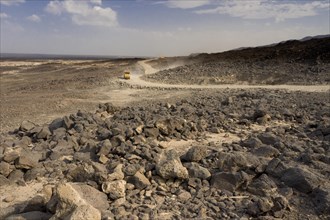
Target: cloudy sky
(155, 28)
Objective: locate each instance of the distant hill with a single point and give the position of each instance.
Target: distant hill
(308, 49)
(305, 61)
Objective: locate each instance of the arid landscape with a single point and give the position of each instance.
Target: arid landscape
(242, 134)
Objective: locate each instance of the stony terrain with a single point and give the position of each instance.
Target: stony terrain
(277, 167)
(291, 62)
(79, 142)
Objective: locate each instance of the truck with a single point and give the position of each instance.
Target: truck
(127, 75)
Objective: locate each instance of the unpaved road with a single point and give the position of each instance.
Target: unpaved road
(137, 81)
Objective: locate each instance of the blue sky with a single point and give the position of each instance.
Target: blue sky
(154, 28)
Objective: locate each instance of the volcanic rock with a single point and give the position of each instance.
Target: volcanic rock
(44, 133)
(139, 180)
(300, 179)
(195, 154)
(226, 181)
(268, 138)
(26, 126)
(68, 203)
(169, 166)
(27, 159)
(197, 171)
(115, 189)
(235, 161)
(262, 186)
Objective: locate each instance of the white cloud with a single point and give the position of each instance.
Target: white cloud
(262, 9)
(185, 4)
(54, 7)
(3, 15)
(34, 18)
(84, 12)
(11, 2)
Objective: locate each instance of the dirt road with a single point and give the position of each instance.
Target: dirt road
(137, 81)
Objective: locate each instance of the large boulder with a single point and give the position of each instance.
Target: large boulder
(170, 166)
(26, 126)
(57, 123)
(117, 173)
(262, 186)
(195, 154)
(44, 133)
(268, 138)
(266, 151)
(300, 179)
(139, 180)
(115, 189)
(63, 148)
(5, 168)
(276, 168)
(227, 180)
(236, 161)
(321, 199)
(197, 171)
(27, 159)
(96, 198)
(252, 142)
(151, 132)
(68, 203)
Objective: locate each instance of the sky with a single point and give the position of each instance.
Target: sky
(155, 28)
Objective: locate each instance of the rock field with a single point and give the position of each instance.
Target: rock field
(123, 163)
(291, 62)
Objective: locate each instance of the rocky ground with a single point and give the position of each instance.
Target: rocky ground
(79, 142)
(224, 155)
(291, 62)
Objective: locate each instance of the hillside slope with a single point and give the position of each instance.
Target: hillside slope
(290, 62)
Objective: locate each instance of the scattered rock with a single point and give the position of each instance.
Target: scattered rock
(226, 181)
(300, 179)
(252, 143)
(27, 126)
(321, 199)
(169, 166)
(262, 186)
(44, 133)
(115, 189)
(197, 171)
(236, 161)
(55, 124)
(27, 160)
(195, 154)
(92, 196)
(266, 151)
(184, 196)
(268, 138)
(68, 203)
(139, 180)
(5, 168)
(117, 173)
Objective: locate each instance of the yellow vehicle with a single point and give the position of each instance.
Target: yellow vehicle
(127, 75)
